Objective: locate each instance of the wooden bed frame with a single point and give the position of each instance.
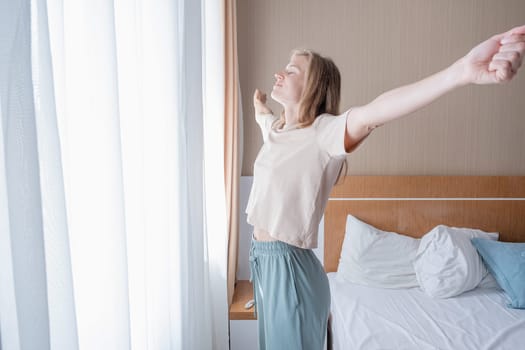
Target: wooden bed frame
(413, 205)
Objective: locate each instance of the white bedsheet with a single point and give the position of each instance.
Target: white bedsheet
(372, 318)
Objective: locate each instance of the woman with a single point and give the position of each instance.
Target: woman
(302, 156)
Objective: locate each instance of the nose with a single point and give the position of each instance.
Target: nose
(278, 76)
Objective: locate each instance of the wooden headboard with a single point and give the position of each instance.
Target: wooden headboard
(413, 205)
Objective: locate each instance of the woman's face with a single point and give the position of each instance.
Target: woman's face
(289, 83)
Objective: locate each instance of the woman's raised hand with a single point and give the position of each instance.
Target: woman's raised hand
(495, 60)
(259, 103)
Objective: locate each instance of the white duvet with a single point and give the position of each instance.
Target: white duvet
(373, 318)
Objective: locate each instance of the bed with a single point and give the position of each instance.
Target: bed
(369, 316)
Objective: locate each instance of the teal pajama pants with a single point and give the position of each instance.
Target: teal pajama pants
(292, 296)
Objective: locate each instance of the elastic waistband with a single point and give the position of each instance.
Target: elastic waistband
(270, 247)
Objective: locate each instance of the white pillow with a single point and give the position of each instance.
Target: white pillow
(377, 258)
(488, 282)
(447, 264)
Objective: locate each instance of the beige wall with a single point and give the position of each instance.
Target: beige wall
(379, 45)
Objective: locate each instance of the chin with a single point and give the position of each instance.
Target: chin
(276, 98)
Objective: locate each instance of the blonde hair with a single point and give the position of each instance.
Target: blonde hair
(322, 90)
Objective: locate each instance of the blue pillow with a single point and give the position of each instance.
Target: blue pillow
(506, 262)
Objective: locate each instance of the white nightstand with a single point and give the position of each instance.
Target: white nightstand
(243, 323)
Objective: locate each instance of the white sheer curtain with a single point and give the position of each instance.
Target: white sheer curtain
(112, 210)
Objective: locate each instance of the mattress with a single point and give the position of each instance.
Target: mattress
(375, 318)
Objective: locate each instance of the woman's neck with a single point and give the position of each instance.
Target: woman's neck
(291, 115)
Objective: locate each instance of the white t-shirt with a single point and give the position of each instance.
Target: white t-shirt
(293, 175)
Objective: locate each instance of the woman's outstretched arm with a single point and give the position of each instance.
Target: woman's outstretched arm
(495, 60)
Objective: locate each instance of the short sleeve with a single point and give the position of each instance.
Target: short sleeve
(265, 122)
(331, 134)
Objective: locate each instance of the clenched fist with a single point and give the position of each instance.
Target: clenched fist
(259, 103)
